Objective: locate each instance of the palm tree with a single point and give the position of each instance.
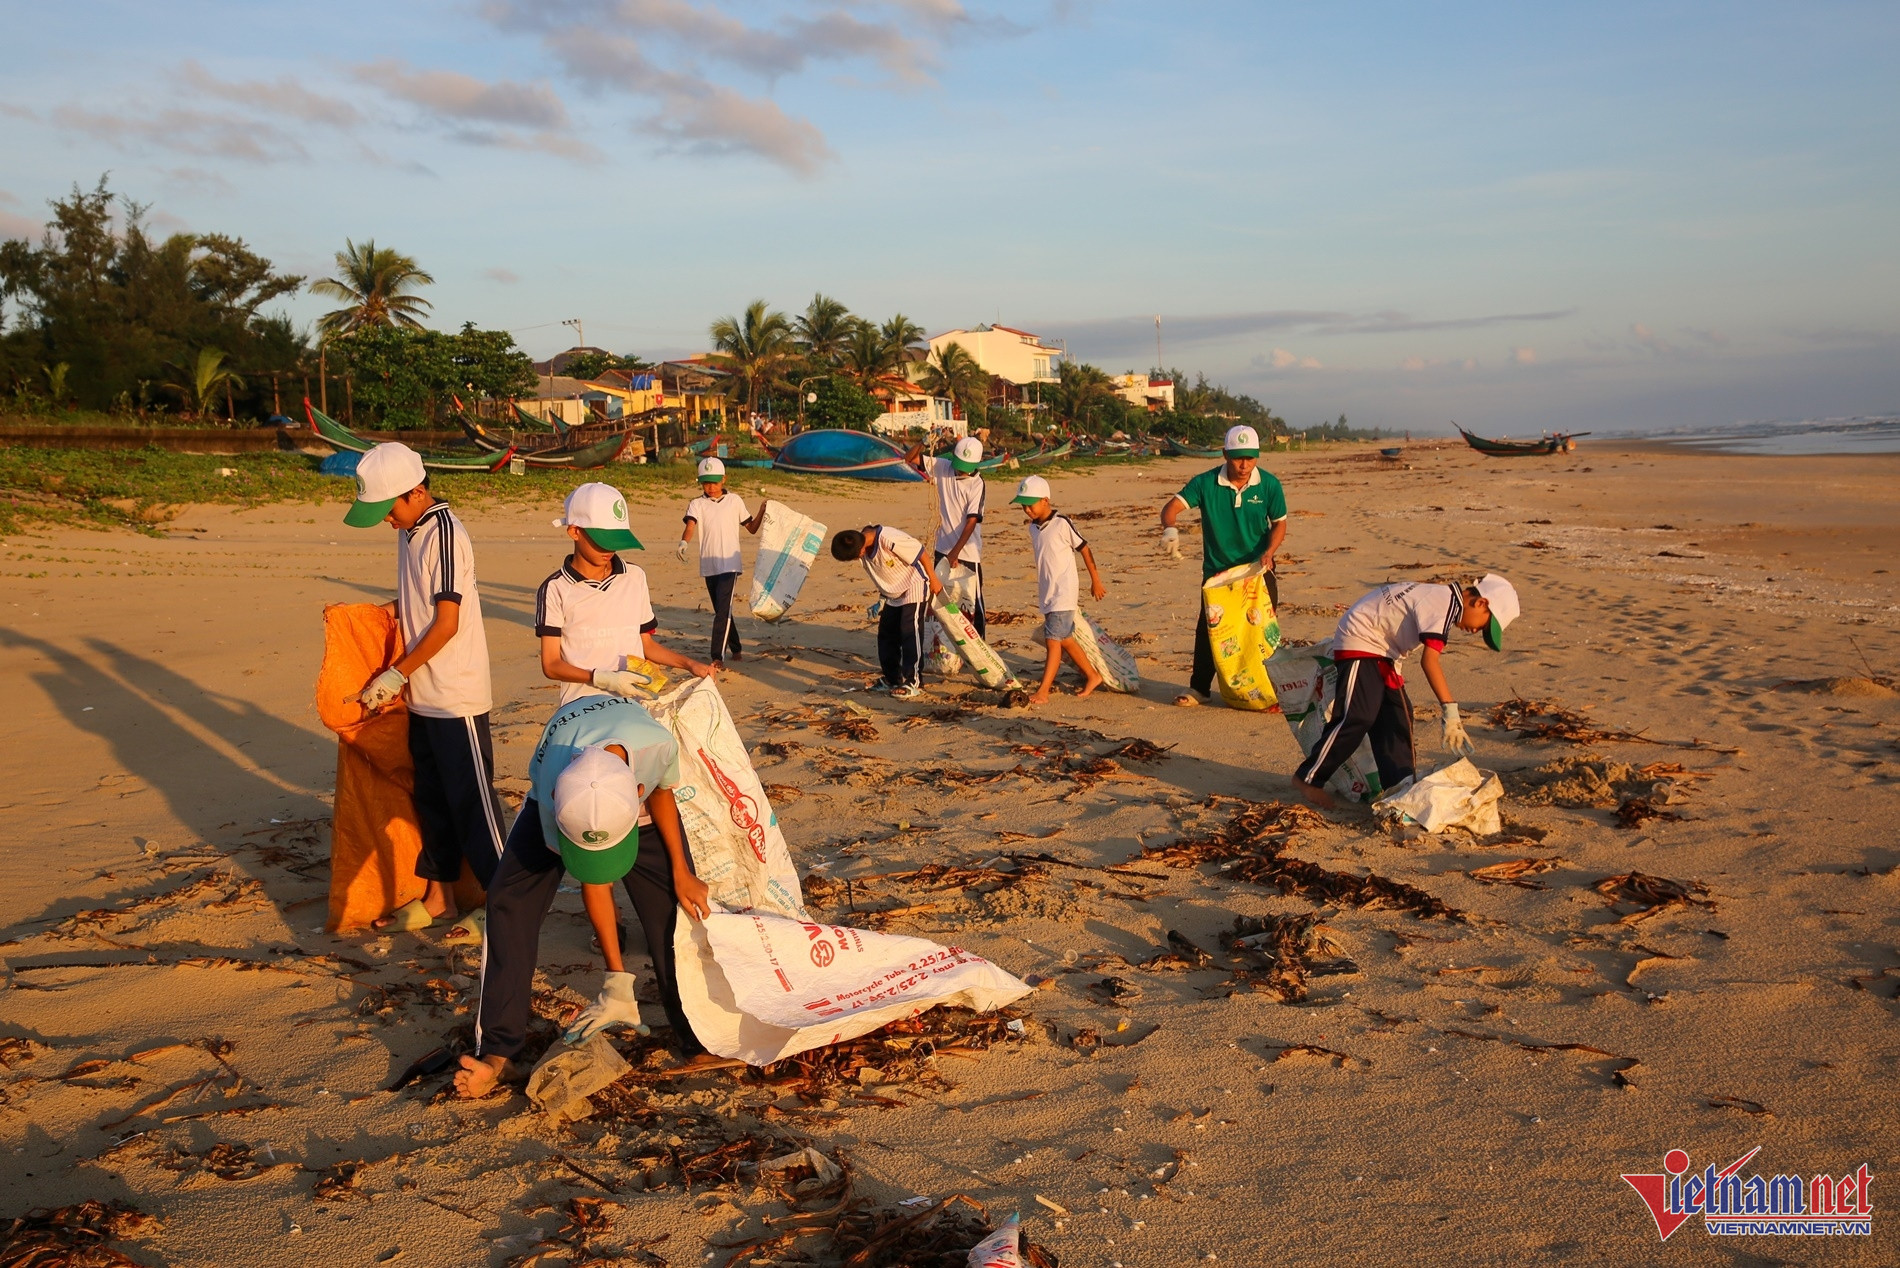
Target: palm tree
(867, 357)
(370, 281)
(902, 336)
(824, 330)
(207, 376)
(954, 373)
(754, 348)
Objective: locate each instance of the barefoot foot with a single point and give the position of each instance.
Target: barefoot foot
(1316, 796)
(478, 1076)
(1090, 686)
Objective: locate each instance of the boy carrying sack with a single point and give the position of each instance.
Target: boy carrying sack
(1054, 540)
(718, 516)
(1372, 641)
(444, 673)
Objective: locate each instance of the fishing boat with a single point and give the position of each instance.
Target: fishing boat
(1189, 451)
(1392, 453)
(336, 434)
(1000, 460)
(550, 423)
(482, 438)
(582, 457)
(1561, 442)
(833, 451)
(1044, 456)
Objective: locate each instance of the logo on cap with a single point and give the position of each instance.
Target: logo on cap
(593, 836)
(620, 510)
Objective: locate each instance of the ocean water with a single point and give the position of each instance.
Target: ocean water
(1791, 438)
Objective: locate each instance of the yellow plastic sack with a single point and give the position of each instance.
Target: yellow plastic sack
(1243, 630)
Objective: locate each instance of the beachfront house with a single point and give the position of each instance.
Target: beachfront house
(1017, 362)
(1144, 391)
(908, 408)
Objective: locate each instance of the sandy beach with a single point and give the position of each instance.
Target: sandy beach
(1465, 1068)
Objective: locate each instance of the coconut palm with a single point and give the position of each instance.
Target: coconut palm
(902, 337)
(204, 379)
(370, 281)
(954, 373)
(867, 356)
(824, 330)
(754, 348)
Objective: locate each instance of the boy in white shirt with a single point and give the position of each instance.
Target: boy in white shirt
(1054, 540)
(718, 516)
(444, 673)
(595, 610)
(960, 494)
(1372, 641)
(905, 580)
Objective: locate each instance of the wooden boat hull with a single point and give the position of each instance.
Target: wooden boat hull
(1513, 448)
(1190, 451)
(341, 437)
(1048, 455)
(859, 455)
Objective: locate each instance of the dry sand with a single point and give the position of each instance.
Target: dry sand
(1462, 1090)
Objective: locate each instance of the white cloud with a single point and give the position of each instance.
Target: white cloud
(1282, 359)
(14, 225)
(507, 277)
(282, 96)
(1524, 356)
(184, 130)
(454, 96)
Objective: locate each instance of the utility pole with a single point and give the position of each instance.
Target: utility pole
(1158, 361)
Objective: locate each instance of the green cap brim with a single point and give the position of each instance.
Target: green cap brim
(1494, 635)
(1025, 500)
(613, 539)
(1240, 453)
(368, 514)
(600, 867)
(965, 467)
(712, 479)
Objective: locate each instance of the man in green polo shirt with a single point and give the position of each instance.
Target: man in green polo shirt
(1243, 521)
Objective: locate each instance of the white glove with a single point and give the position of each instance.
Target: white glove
(1171, 542)
(1452, 732)
(614, 1006)
(623, 682)
(679, 551)
(383, 690)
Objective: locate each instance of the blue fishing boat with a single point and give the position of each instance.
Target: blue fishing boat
(846, 453)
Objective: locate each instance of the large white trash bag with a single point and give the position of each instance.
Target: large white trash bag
(763, 987)
(1458, 796)
(940, 654)
(1001, 1249)
(788, 543)
(738, 849)
(1305, 679)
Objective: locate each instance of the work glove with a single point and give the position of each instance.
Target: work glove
(679, 551)
(383, 690)
(623, 682)
(1171, 542)
(1452, 731)
(614, 1006)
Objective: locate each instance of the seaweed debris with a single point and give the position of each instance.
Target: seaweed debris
(1279, 951)
(1651, 895)
(1251, 846)
(1548, 720)
(77, 1236)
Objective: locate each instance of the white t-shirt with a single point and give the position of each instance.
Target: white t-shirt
(652, 750)
(893, 567)
(599, 623)
(959, 497)
(1394, 619)
(719, 523)
(1054, 543)
(435, 560)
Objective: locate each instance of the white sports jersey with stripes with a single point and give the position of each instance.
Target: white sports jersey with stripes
(435, 560)
(958, 498)
(719, 521)
(1392, 621)
(599, 623)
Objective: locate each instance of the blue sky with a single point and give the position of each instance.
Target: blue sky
(1519, 216)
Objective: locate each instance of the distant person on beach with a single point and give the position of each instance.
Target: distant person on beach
(905, 581)
(1373, 639)
(716, 516)
(960, 493)
(443, 672)
(595, 611)
(1243, 521)
(600, 808)
(1054, 541)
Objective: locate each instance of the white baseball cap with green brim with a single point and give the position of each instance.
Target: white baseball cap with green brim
(1241, 442)
(1502, 596)
(968, 455)
(1032, 490)
(383, 474)
(597, 816)
(711, 471)
(599, 511)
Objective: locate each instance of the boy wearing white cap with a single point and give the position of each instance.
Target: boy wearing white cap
(1054, 540)
(718, 516)
(595, 610)
(600, 807)
(960, 491)
(1243, 521)
(1372, 641)
(905, 581)
(443, 671)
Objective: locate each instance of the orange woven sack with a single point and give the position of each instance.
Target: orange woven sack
(374, 839)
